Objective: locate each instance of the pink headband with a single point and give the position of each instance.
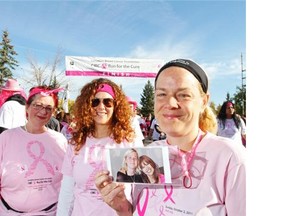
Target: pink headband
(229, 104)
(106, 88)
(44, 92)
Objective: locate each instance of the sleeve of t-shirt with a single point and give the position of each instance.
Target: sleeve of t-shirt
(66, 197)
(243, 127)
(235, 200)
(67, 162)
(6, 116)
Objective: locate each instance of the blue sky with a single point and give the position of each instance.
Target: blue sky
(212, 33)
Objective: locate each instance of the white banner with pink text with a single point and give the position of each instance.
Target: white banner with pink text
(115, 67)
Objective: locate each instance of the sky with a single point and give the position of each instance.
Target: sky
(211, 33)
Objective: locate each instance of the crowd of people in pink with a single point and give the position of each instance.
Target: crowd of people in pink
(55, 163)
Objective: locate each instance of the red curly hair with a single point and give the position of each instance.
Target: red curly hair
(120, 127)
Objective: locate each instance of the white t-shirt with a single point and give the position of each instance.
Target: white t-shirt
(231, 131)
(12, 114)
(138, 132)
(155, 134)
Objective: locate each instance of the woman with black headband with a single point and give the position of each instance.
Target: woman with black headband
(208, 172)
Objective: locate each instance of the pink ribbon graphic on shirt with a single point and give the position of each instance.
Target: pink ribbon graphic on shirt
(141, 212)
(161, 211)
(169, 194)
(96, 167)
(37, 159)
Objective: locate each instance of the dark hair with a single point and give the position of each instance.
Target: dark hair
(17, 97)
(222, 115)
(148, 160)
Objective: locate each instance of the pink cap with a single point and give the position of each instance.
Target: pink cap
(106, 88)
(132, 102)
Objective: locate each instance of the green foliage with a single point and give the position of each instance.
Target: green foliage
(7, 61)
(147, 100)
(239, 99)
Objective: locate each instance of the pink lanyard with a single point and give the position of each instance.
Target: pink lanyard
(187, 163)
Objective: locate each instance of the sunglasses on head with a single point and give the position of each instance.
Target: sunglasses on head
(108, 102)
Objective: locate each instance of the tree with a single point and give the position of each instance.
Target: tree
(240, 100)
(47, 73)
(147, 99)
(7, 61)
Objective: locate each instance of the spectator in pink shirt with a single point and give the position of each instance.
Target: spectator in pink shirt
(31, 158)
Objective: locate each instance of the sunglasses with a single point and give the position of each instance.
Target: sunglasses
(108, 102)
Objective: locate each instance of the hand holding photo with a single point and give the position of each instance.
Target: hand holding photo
(139, 165)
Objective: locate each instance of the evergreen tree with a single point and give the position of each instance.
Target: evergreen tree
(7, 61)
(240, 101)
(147, 99)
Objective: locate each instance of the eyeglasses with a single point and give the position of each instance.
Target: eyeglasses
(39, 107)
(108, 102)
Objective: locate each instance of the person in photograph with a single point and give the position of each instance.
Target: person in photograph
(130, 171)
(101, 120)
(150, 170)
(208, 172)
(31, 158)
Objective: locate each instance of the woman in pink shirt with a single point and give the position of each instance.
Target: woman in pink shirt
(208, 172)
(31, 158)
(102, 117)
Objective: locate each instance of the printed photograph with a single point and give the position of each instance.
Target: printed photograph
(139, 165)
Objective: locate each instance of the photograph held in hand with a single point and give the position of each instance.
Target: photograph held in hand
(147, 165)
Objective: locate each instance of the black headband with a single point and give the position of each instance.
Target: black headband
(192, 67)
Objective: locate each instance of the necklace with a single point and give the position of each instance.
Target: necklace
(132, 178)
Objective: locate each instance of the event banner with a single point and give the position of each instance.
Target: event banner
(116, 67)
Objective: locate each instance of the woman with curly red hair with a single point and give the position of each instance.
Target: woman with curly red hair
(102, 117)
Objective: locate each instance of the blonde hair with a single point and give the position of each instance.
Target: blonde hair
(207, 118)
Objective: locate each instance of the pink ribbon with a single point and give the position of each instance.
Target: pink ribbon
(38, 159)
(141, 212)
(96, 167)
(169, 194)
(161, 211)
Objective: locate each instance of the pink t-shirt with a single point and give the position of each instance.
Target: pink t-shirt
(218, 184)
(31, 170)
(83, 168)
